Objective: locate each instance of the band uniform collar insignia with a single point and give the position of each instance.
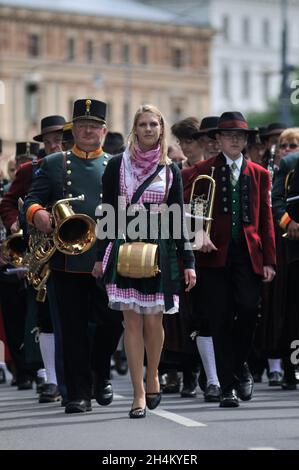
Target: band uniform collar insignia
(87, 155)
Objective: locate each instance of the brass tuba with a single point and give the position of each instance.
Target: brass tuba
(74, 234)
(13, 249)
(202, 205)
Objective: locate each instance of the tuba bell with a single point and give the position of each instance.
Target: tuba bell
(202, 204)
(13, 249)
(74, 234)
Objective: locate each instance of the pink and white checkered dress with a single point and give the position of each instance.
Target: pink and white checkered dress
(131, 298)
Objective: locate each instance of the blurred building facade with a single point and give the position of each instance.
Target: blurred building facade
(245, 57)
(121, 52)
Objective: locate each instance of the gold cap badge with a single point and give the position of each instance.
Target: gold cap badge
(88, 104)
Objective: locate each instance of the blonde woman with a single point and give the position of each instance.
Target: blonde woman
(144, 301)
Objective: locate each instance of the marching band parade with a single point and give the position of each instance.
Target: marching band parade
(171, 253)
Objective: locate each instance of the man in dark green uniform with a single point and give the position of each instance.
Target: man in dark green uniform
(80, 300)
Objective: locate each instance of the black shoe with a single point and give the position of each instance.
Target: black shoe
(245, 387)
(2, 376)
(78, 406)
(121, 365)
(136, 413)
(189, 391)
(162, 381)
(173, 382)
(153, 400)
(229, 399)
(64, 402)
(275, 379)
(103, 392)
(246, 383)
(257, 378)
(49, 394)
(25, 384)
(288, 385)
(40, 382)
(212, 393)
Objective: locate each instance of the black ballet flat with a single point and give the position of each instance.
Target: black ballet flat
(136, 413)
(153, 400)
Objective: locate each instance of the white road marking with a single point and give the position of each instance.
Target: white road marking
(190, 423)
(262, 448)
(171, 416)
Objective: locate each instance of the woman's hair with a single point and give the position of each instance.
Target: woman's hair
(289, 134)
(132, 139)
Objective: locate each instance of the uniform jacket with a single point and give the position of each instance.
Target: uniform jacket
(64, 175)
(279, 204)
(255, 213)
(286, 165)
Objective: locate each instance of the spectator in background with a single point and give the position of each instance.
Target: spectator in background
(114, 143)
(209, 145)
(176, 154)
(184, 132)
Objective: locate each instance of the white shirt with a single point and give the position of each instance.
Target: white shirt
(238, 162)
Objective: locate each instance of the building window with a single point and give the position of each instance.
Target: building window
(225, 27)
(177, 58)
(266, 32)
(143, 54)
(33, 45)
(126, 53)
(266, 85)
(70, 49)
(226, 83)
(246, 31)
(70, 107)
(89, 50)
(177, 114)
(32, 102)
(126, 116)
(245, 83)
(107, 52)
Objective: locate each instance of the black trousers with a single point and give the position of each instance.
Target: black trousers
(13, 298)
(228, 298)
(82, 301)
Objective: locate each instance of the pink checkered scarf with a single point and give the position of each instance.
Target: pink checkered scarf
(138, 166)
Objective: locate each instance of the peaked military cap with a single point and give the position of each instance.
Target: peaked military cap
(90, 109)
(27, 149)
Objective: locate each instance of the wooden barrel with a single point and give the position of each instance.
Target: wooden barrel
(138, 260)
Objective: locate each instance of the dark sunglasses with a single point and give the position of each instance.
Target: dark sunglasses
(291, 146)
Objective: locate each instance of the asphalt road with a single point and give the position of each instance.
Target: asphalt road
(269, 421)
